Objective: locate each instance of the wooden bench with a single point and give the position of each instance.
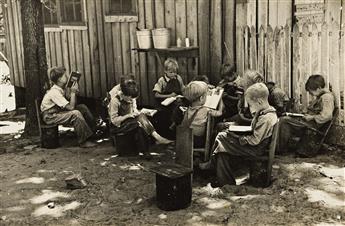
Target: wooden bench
(49, 134)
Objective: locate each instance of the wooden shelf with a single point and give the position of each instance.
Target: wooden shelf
(184, 52)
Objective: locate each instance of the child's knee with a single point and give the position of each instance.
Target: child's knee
(76, 114)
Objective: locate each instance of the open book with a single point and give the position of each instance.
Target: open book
(213, 97)
(149, 112)
(73, 77)
(236, 128)
(294, 114)
(170, 100)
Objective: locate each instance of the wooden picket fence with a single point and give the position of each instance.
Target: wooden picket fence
(288, 56)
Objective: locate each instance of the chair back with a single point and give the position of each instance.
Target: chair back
(208, 142)
(271, 151)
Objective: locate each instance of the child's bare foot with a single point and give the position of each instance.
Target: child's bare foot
(87, 144)
(160, 140)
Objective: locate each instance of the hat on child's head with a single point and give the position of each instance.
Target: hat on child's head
(56, 72)
(194, 90)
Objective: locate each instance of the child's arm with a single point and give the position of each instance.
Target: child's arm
(115, 119)
(326, 113)
(219, 112)
(163, 96)
(260, 131)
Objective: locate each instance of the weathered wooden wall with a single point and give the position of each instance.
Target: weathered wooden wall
(101, 50)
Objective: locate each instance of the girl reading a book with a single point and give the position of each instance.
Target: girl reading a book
(125, 117)
(196, 114)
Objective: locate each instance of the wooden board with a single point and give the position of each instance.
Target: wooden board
(203, 35)
(192, 34)
(181, 32)
(59, 59)
(229, 31)
(87, 64)
(159, 23)
(9, 54)
(79, 61)
(125, 44)
(262, 14)
(53, 48)
(216, 40)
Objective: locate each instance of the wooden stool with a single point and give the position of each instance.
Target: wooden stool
(125, 144)
(49, 136)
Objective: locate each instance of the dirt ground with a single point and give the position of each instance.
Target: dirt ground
(121, 191)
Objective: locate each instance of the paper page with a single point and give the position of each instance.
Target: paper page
(168, 101)
(235, 128)
(147, 111)
(213, 97)
(294, 114)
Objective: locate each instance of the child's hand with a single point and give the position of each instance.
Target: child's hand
(133, 115)
(75, 88)
(308, 117)
(242, 141)
(173, 94)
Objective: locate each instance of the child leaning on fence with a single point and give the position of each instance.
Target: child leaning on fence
(195, 92)
(229, 145)
(319, 114)
(125, 117)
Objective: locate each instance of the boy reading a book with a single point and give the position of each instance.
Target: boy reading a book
(230, 145)
(196, 114)
(277, 98)
(319, 114)
(56, 109)
(125, 117)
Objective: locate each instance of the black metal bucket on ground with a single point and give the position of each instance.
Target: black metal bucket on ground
(173, 193)
(50, 137)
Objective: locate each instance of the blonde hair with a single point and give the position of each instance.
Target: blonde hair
(256, 92)
(171, 65)
(194, 90)
(251, 77)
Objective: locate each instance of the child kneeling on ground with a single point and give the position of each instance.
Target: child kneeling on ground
(196, 114)
(125, 117)
(319, 114)
(230, 145)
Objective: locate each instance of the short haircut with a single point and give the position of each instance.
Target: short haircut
(253, 77)
(202, 78)
(227, 70)
(56, 73)
(314, 82)
(171, 65)
(194, 90)
(129, 87)
(256, 92)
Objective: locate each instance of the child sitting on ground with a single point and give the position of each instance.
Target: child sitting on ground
(125, 117)
(230, 145)
(319, 114)
(277, 98)
(196, 114)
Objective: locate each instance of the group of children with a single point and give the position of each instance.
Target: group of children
(247, 100)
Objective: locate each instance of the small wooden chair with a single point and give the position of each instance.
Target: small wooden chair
(265, 160)
(209, 137)
(174, 181)
(49, 134)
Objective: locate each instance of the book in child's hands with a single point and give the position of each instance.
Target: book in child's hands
(294, 114)
(236, 128)
(213, 97)
(73, 77)
(149, 112)
(169, 100)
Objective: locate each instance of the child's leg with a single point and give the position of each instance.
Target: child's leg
(89, 118)
(224, 169)
(148, 128)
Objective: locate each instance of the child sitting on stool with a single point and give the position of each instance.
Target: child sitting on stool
(230, 145)
(319, 114)
(125, 117)
(195, 92)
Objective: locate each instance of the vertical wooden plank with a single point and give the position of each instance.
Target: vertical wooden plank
(9, 54)
(192, 33)
(240, 50)
(181, 32)
(273, 13)
(305, 67)
(262, 13)
(64, 42)
(216, 39)
(117, 50)
(144, 90)
(342, 73)
(296, 73)
(79, 61)
(276, 56)
(21, 65)
(333, 11)
(253, 49)
(134, 54)
(284, 10)
(261, 50)
(15, 48)
(170, 21)
(94, 49)
(325, 52)
(287, 55)
(251, 13)
(59, 59)
(126, 55)
(101, 48)
(315, 50)
(269, 51)
(87, 64)
(203, 35)
(160, 22)
(71, 50)
(246, 47)
(53, 49)
(109, 56)
(282, 67)
(229, 33)
(152, 75)
(18, 41)
(46, 40)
